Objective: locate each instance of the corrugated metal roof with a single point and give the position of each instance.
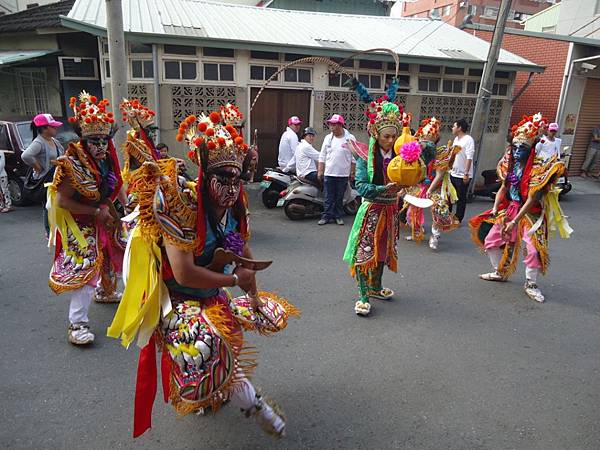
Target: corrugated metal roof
(8, 57)
(226, 22)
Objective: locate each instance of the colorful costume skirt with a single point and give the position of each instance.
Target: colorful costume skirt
(373, 237)
(98, 253)
(486, 232)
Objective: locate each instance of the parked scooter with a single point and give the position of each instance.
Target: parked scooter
(274, 181)
(303, 199)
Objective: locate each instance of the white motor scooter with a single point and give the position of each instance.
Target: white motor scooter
(303, 199)
(274, 181)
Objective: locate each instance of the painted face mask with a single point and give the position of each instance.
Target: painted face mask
(224, 187)
(98, 147)
(521, 153)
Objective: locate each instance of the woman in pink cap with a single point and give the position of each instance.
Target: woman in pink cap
(44, 149)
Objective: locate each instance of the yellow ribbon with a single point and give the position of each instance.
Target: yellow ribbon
(556, 219)
(62, 221)
(139, 309)
(448, 189)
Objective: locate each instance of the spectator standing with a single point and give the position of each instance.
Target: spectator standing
(288, 144)
(549, 145)
(462, 170)
(44, 149)
(163, 150)
(592, 154)
(307, 157)
(336, 166)
(5, 200)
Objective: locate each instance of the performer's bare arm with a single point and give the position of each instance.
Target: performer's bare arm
(188, 274)
(499, 196)
(524, 210)
(437, 180)
(65, 197)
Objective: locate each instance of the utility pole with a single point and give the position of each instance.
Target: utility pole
(482, 106)
(118, 60)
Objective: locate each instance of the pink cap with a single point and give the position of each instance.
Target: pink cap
(294, 120)
(553, 127)
(42, 120)
(337, 118)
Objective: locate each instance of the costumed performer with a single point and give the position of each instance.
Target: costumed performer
(526, 210)
(84, 225)
(186, 248)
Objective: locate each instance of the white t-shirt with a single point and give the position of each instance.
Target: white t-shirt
(287, 147)
(467, 151)
(548, 148)
(306, 158)
(336, 155)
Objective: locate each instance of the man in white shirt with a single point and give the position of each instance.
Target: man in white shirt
(336, 166)
(288, 144)
(462, 170)
(307, 157)
(549, 145)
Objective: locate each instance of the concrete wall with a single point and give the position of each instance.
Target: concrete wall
(576, 18)
(493, 142)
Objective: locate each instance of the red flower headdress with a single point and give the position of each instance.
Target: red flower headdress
(91, 115)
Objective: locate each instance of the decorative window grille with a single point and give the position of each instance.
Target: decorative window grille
(138, 91)
(348, 105)
(186, 100)
(32, 90)
(451, 109)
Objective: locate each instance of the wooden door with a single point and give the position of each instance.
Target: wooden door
(589, 118)
(270, 115)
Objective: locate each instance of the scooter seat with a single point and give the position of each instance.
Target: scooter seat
(305, 181)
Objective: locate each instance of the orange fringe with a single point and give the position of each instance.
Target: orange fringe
(64, 171)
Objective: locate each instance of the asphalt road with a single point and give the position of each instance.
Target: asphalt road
(452, 363)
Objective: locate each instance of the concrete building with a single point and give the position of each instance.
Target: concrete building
(214, 53)
(44, 63)
(484, 12)
(579, 18)
(569, 89)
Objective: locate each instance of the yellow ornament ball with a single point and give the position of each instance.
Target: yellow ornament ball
(405, 173)
(405, 137)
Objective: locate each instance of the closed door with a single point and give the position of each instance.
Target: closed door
(589, 118)
(270, 114)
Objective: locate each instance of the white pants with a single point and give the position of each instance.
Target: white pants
(435, 232)
(244, 395)
(495, 255)
(80, 304)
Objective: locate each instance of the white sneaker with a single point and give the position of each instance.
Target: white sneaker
(533, 292)
(80, 334)
(433, 242)
(362, 308)
(269, 417)
(115, 297)
(408, 238)
(339, 221)
(492, 276)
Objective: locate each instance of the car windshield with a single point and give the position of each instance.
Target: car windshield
(25, 133)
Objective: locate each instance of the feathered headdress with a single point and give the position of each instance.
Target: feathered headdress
(429, 129)
(527, 129)
(223, 145)
(209, 138)
(91, 115)
(135, 114)
(231, 115)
